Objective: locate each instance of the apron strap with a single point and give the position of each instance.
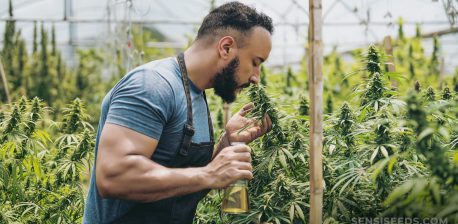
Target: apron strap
(188, 130)
(188, 127)
(184, 79)
(210, 124)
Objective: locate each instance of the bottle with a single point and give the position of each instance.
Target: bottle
(235, 199)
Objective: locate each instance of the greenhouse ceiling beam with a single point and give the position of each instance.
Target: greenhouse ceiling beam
(330, 9)
(186, 22)
(300, 7)
(19, 5)
(426, 35)
(440, 33)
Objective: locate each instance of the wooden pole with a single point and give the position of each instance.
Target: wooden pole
(315, 77)
(5, 83)
(389, 51)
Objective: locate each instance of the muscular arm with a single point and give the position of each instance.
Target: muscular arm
(124, 168)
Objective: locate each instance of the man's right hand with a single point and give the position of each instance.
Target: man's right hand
(231, 164)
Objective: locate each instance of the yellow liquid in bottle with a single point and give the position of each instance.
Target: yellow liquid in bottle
(235, 199)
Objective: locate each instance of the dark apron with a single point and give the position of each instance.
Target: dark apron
(180, 209)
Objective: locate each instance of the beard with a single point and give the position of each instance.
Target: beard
(225, 83)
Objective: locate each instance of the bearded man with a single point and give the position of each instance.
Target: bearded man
(154, 156)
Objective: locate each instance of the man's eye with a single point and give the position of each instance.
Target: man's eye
(254, 64)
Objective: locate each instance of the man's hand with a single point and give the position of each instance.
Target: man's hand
(231, 164)
(254, 129)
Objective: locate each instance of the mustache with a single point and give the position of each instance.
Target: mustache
(243, 86)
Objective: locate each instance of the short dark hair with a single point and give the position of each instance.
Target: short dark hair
(235, 16)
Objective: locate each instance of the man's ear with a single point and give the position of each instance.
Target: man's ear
(227, 47)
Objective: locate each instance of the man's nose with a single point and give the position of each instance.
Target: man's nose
(255, 78)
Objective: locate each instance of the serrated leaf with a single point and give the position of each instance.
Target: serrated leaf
(398, 192)
(302, 158)
(444, 132)
(425, 133)
(384, 152)
(448, 211)
(299, 212)
(291, 212)
(391, 164)
(349, 181)
(455, 158)
(379, 166)
(288, 154)
(282, 159)
(271, 164)
(374, 154)
(331, 149)
(435, 190)
(36, 168)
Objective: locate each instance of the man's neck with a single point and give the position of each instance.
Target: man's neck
(200, 66)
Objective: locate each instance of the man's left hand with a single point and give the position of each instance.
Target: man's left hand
(253, 129)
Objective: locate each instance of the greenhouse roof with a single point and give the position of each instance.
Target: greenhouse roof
(347, 24)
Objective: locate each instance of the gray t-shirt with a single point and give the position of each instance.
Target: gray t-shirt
(149, 100)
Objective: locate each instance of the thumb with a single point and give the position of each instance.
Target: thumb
(245, 109)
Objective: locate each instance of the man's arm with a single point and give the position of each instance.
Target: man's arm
(124, 168)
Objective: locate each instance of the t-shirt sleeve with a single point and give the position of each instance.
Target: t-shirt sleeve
(142, 102)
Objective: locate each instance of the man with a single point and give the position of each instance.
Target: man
(154, 146)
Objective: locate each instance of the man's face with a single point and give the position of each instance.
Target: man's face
(244, 69)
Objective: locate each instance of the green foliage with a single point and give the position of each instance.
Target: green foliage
(446, 93)
(37, 185)
(401, 29)
(374, 92)
(455, 80)
(430, 95)
(35, 39)
(435, 195)
(263, 76)
(346, 125)
(417, 30)
(220, 119)
(329, 104)
(264, 106)
(373, 61)
(288, 83)
(372, 163)
(304, 107)
(382, 155)
(417, 86)
(434, 63)
(44, 77)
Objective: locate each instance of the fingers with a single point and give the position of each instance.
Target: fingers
(243, 157)
(231, 164)
(246, 108)
(243, 166)
(245, 175)
(240, 153)
(266, 124)
(248, 121)
(255, 132)
(241, 148)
